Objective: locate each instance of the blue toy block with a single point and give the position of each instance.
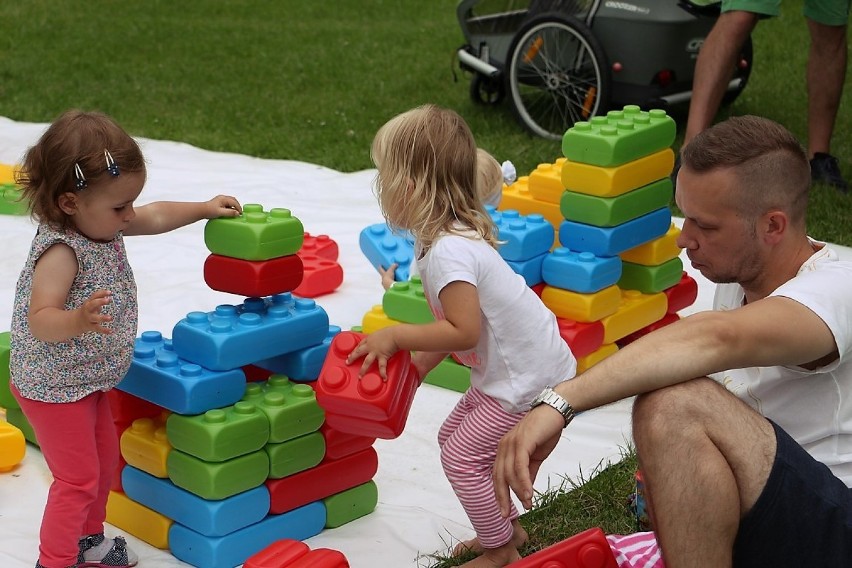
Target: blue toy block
(610, 241)
(303, 365)
(210, 518)
(383, 246)
(233, 549)
(259, 328)
(580, 271)
(159, 376)
(524, 237)
(529, 269)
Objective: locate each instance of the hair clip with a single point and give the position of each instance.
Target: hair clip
(78, 175)
(111, 166)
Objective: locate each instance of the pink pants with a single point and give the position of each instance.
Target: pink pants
(80, 445)
(468, 440)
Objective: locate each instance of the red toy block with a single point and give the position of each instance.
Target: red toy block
(368, 405)
(538, 288)
(682, 294)
(588, 549)
(253, 278)
(126, 407)
(289, 553)
(321, 276)
(584, 338)
(322, 246)
(662, 322)
(324, 480)
(255, 374)
(341, 444)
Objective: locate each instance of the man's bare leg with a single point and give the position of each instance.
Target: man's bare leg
(705, 457)
(825, 76)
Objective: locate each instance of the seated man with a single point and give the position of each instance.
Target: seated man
(755, 474)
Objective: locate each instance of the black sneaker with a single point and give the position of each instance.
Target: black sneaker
(825, 170)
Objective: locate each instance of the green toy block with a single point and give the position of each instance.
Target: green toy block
(351, 504)
(11, 202)
(291, 408)
(406, 302)
(612, 211)
(295, 455)
(256, 234)
(650, 279)
(219, 434)
(15, 417)
(6, 398)
(449, 375)
(619, 137)
(218, 480)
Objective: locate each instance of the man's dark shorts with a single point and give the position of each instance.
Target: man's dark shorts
(803, 518)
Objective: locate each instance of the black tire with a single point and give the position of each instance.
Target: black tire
(741, 73)
(557, 74)
(486, 91)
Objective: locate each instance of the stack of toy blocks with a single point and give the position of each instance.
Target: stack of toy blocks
(12, 441)
(217, 469)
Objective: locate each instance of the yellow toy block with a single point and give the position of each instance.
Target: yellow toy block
(13, 446)
(604, 351)
(655, 252)
(545, 182)
(636, 311)
(582, 307)
(518, 197)
(376, 319)
(138, 520)
(617, 180)
(7, 173)
(145, 445)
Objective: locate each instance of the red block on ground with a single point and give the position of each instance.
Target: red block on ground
(588, 549)
(322, 246)
(321, 276)
(288, 553)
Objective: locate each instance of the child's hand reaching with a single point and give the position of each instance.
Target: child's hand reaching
(89, 315)
(387, 275)
(379, 346)
(223, 206)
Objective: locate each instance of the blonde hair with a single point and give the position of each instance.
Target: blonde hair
(489, 175)
(427, 175)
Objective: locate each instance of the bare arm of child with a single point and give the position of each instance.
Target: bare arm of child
(164, 216)
(425, 361)
(458, 331)
(387, 275)
(52, 278)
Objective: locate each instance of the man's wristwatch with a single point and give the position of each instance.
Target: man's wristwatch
(549, 397)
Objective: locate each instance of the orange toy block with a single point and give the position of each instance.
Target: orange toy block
(145, 445)
(518, 197)
(545, 182)
(655, 252)
(617, 180)
(635, 311)
(582, 307)
(588, 549)
(592, 359)
(140, 521)
(13, 446)
(289, 553)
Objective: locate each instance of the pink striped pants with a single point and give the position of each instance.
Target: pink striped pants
(468, 440)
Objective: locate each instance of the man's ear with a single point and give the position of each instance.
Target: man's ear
(776, 224)
(67, 202)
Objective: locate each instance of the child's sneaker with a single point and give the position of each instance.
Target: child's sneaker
(97, 551)
(38, 565)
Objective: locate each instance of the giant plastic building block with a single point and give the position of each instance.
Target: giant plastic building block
(6, 398)
(253, 277)
(522, 236)
(635, 311)
(580, 271)
(519, 198)
(545, 182)
(651, 279)
(367, 405)
(322, 246)
(450, 375)
(158, 375)
(7, 173)
(657, 251)
(683, 294)
(618, 137)
(145, 446)
(13, 446)
(382, 246)
(326, 479)
(211, 518)
(218, 480)
(616, 180)
(530, 269)
(256, 234)
(293, 456)
(12, 200)
(290, 408)
(611, 241)
(588, 549)
(289, 553)
(376, 319)
(233, 336)
(321, 276)
(304, 364)
(341, 444)
(667, 319)
(406, 302)
(127, 407)
(222, 433)
(582, 338)
(581, 307)
(233, 549)
(592, 359)
(611, 211)
(138, 520)
(351, 504)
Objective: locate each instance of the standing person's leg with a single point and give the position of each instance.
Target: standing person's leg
(106, 439)
(705, 457)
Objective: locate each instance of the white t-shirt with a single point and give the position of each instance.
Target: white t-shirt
(814, 407)
(520, 350)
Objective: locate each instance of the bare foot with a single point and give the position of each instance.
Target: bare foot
(495, 557)
(519, 538)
